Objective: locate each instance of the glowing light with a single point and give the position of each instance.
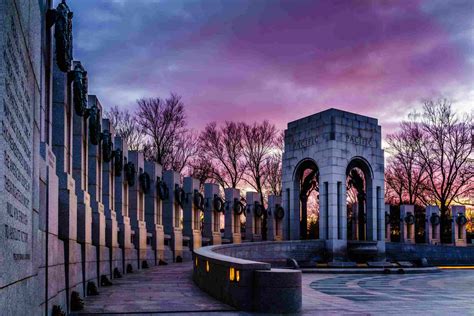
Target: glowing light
(457, 267)
(237, 276)
(207, 266)
(232, 274)
(196, 263)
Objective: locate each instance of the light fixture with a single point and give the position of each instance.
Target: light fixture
(196, 261)
(232, 274)
(207, 266)
(237, 275)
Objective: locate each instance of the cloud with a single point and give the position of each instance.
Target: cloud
(278, 60)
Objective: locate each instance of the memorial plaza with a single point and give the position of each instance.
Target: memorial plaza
(109, 211)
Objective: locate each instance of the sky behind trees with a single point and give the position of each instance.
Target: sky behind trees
(278, 60)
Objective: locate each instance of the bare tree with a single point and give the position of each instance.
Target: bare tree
(222, 147)
(259, 142)
(406, 173)
(445, 146)
(201, 169)
(184, 149)
(273, 165)
(164, 122)
(394, 182)
(126, 126)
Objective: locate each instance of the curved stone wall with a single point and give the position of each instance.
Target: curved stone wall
(436, 254)
(275, 253)
(245, 284)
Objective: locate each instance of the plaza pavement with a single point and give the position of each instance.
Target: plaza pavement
(169, 290)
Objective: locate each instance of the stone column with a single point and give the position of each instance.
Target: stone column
(432, 226)
(276, 215)
(192, 212)
(129, 254)
(355, 221)
(459, 225)
(136, 204)
(387, 223)
(80, 173)
(407, 224)
(232, 219)
(172, 214)
(153, 214)
(108, 200)
(211, 228)
(63, 112)
(253, 223)
(95, 190)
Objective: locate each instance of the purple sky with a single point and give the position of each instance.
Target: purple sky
(278, 60)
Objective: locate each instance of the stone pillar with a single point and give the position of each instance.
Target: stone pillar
(108, 199)
(459, 225)
(232, 218)
(80, 173)
(388, 227)
(254, 215)
(323, 210)
(336, 219)
(172, 213)
(432, 225)
(129, 255)
(276, 216)
(355, 221)
(95, 184)
(136, 204)
(211, 228)
(153, 213)
(63, 112)
(407, 224)
(193, 206)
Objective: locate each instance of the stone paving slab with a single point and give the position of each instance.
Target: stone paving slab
(159, 289)
(445, 293)
(169, 290)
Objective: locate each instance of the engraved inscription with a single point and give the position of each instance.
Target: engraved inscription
(17, 132)
(305, 142)
(358, 140)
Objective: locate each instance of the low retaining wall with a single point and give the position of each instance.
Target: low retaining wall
(275, 253)
(244, 284)
(435, 254)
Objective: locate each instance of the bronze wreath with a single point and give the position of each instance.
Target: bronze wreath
(279, 212)
(218, 204)
(130, 172)
(94, 125)
(409, 219)
(162, 189)
(63, 36)
(434, 219)
(239, 207)
(145, 182)
(198, 200)
(79, 87)
(118, 162)
(258, 209)
(107, 151)
(461, 220)
(179, 195)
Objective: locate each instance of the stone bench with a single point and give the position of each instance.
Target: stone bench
(247, 285)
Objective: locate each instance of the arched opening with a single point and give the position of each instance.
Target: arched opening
(307, 189)
(358, 184)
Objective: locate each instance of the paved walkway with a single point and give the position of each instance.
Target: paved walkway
(446, 293)
(170, 290)
(159, 289)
